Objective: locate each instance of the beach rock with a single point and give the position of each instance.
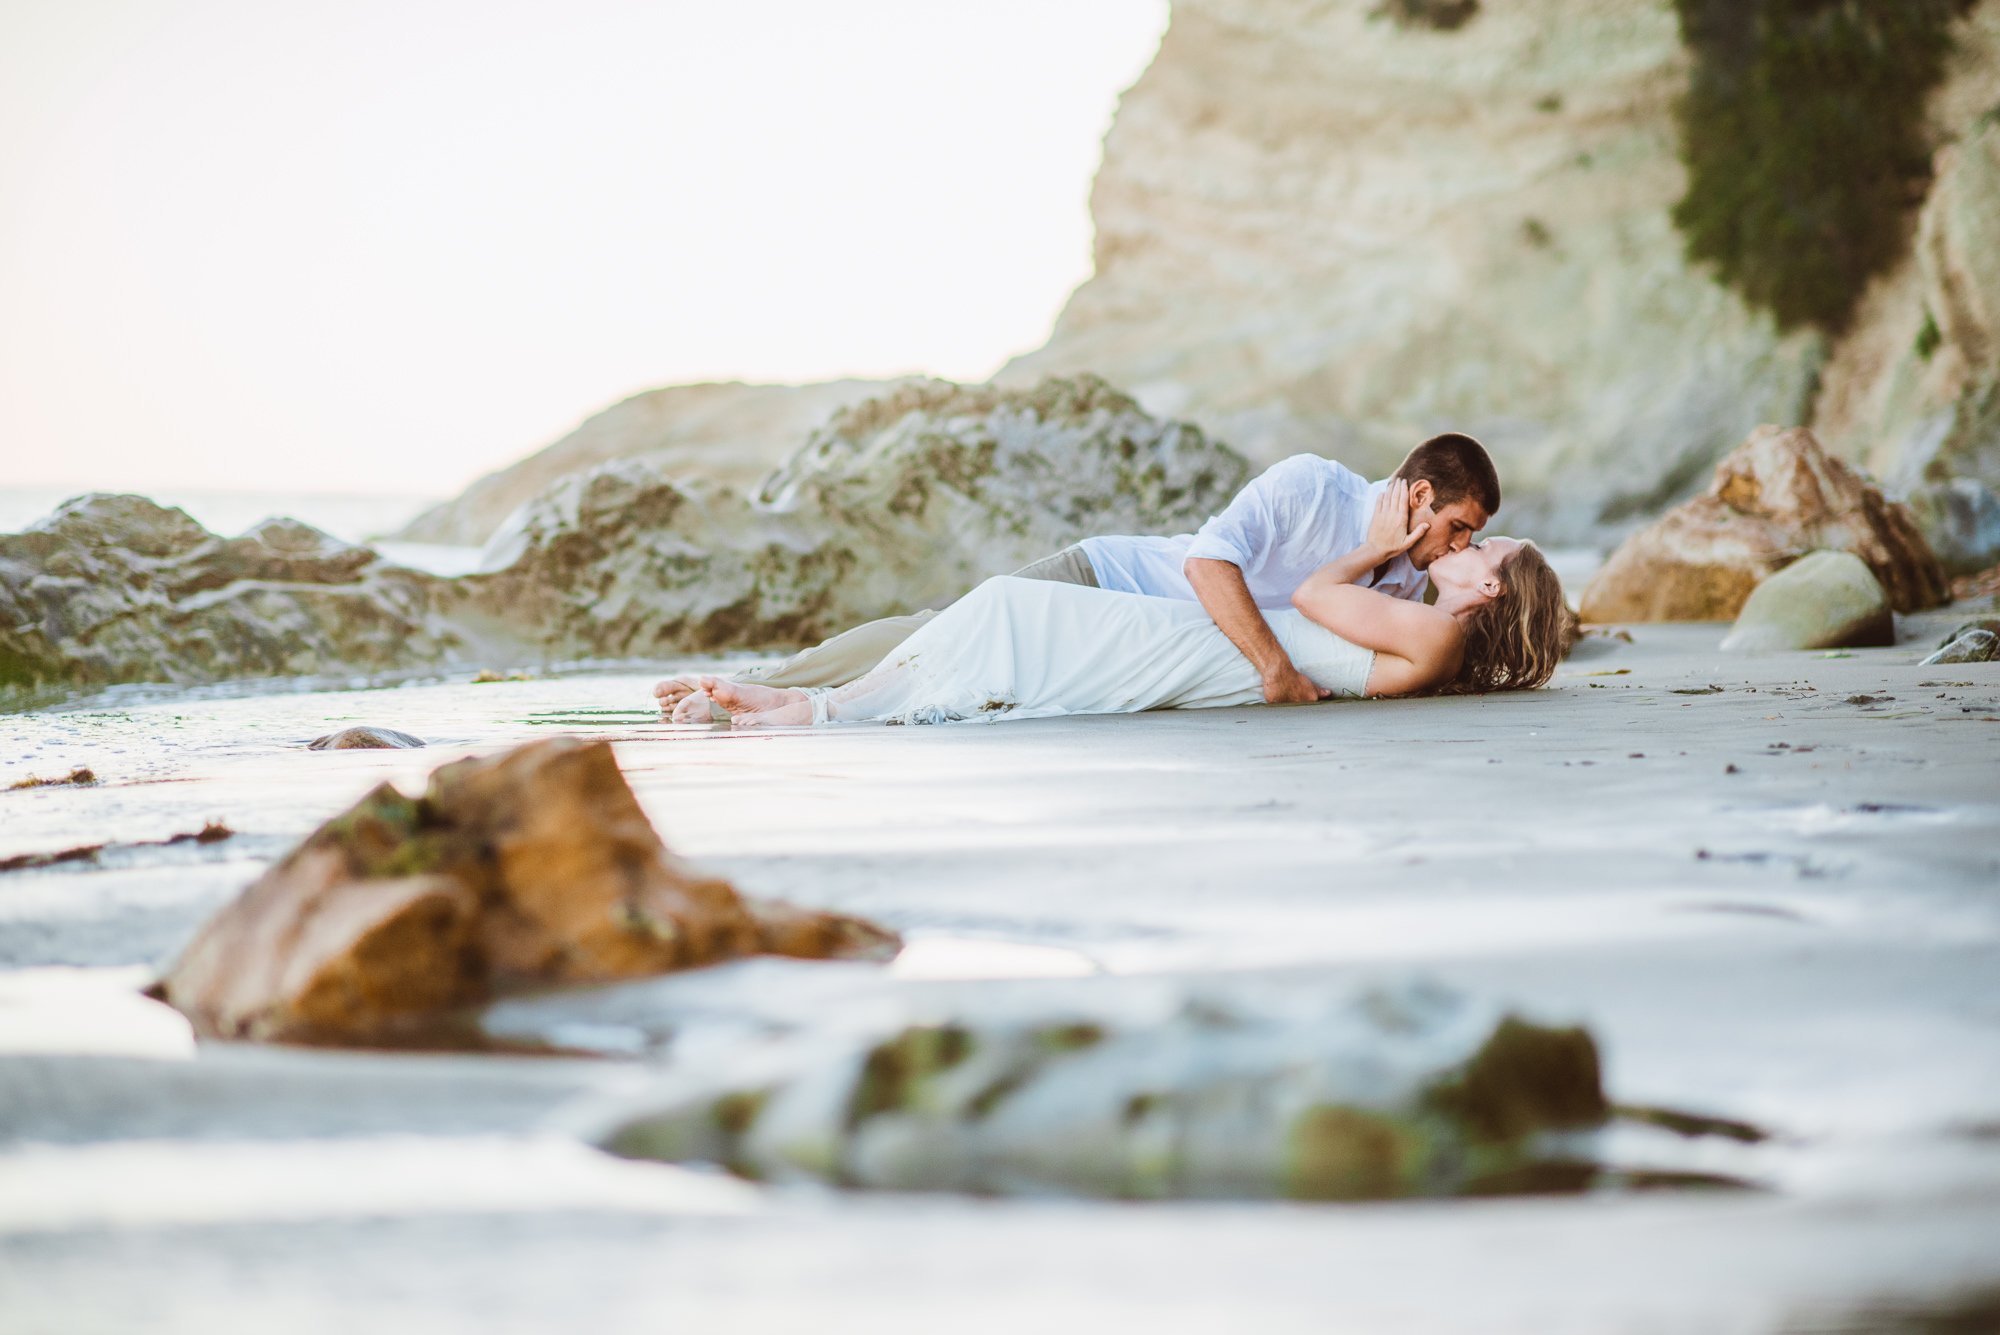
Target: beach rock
(115, 588)
(901, 502)
(1775, 498)
(1989, 624)
(1824, 600)
(1403, 1092)
(732, 434)
(528, 869)
(356, 739)
(1976, 645)
(1960, 519)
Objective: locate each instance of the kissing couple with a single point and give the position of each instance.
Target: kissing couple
(1311, 584)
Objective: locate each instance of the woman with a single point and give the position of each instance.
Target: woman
(1019, 648)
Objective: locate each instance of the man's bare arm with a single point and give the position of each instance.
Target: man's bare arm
(1226, 597)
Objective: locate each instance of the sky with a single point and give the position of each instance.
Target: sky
(391, 245)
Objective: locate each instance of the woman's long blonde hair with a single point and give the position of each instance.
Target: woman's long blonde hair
(1515, 642)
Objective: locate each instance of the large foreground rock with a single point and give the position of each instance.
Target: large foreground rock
(1825, 600)
(902, 502)
(1775, 498)
(116, 588)
(1403, 1092)
(529, 869)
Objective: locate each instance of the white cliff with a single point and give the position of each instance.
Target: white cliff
(1329, 224)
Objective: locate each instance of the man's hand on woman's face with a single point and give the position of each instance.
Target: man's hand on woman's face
(1390, 533)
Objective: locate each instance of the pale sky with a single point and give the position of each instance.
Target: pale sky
(390, 245)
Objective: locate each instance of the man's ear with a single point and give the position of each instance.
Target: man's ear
(1422, 493)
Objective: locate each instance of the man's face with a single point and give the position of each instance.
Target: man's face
(1452, 526)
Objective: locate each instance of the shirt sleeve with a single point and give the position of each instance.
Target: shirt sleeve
(1246, 529)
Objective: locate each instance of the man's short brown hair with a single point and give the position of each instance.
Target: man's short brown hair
(1456, 466)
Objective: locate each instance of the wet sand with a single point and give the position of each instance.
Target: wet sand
(1771, 901)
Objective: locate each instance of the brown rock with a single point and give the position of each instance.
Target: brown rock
(364, 739)
(532, 868)
(1773, 499)
(806, 934)
(590, 893)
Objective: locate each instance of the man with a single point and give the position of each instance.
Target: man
(1289, 521)
(1294, 518)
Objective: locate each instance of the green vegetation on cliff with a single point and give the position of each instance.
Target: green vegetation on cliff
(1803, 134)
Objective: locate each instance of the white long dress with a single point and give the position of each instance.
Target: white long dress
(1029, 648)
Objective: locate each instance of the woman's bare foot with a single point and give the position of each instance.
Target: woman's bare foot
(754, 706)
(674, 690)
(694, 707)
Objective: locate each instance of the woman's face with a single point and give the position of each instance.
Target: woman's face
(1477, 568)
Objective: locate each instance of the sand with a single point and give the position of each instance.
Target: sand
(1770, 901)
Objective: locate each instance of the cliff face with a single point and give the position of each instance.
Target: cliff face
(1913, 391)
(1342, 225)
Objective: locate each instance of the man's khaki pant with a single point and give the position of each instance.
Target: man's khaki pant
(852, 653)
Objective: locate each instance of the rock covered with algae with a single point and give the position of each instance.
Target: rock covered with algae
(1398, 1093)
(529, 869)
(901, 502)
(115, 588)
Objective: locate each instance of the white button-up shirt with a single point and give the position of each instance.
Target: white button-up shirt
(1292, 519)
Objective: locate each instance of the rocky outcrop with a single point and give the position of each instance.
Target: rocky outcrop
(731, 434)
(529, 869)
(1775, 498)
(1400, 1092)
(899, 503)
(1823, 600)
(116, 588)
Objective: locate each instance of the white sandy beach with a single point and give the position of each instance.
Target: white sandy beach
(1768, 902)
